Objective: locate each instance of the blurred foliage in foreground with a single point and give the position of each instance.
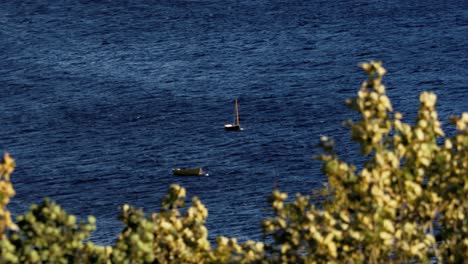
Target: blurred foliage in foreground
(408, 204)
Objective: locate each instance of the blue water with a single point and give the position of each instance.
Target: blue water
(99, 100)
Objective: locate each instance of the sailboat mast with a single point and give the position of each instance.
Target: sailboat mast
(237, 114)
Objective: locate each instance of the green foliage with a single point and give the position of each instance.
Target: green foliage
(407, 204)
(165, 237)
(6, 192)
(174, 237)
(136, 240)
(48, 234)
(388, 211)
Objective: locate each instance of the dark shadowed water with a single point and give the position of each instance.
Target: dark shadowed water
(99, 100)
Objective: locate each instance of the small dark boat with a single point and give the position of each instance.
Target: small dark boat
(187, 171)
(236, 126)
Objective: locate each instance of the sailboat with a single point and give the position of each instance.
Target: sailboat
(236, 125)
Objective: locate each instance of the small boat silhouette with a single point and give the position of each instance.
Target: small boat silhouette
(236, 125)
(188, 171)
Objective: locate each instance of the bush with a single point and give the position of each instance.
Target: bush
(407, 204)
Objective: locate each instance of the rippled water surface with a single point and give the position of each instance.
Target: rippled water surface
(99, 100)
